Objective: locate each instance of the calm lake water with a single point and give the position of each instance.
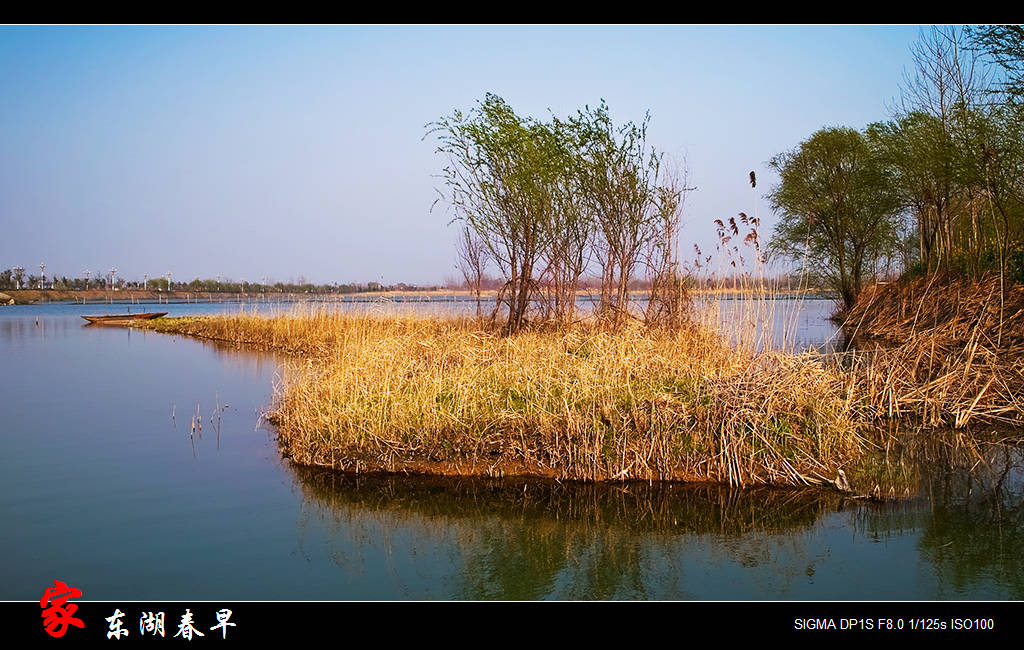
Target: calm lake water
(102, 488)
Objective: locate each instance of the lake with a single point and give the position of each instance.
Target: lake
(106, 485)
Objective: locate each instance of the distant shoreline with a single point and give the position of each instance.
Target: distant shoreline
(101, 296)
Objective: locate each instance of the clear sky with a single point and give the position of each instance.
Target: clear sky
(299, 151)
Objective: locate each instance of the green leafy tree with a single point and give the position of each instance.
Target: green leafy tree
(918, 155)
(503, 179)
(838, 209)
(618, 174)
(545, 199)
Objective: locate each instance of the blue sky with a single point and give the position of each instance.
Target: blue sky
(299, 151)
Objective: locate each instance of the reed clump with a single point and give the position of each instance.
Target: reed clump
(941, 350)
(453, 396)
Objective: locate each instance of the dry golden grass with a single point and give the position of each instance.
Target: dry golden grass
(447, 395)
(946, 351)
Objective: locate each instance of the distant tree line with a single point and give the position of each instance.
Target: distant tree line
(545, 203)
(15, 278)
(937, 187)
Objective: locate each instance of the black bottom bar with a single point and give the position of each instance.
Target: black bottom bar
(417, 622)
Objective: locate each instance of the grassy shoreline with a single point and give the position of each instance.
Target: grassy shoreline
(447, 396)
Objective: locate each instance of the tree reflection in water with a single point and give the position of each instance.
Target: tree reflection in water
(522, 539)
(969, 516)
(531, 539)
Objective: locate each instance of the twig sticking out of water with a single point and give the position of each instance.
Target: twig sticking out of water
(197, 423)
(196, 430)
(216, 423)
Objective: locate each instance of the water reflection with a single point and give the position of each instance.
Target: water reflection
(906, 462)
(969, 519)
(529, 539)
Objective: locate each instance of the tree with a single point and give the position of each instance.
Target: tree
(947, 95)
(502, 181)
(569, 228)
(472, 260)
(838, 209)
(544, 199)
(1004, 45)
(955, 148)
(618, 175)
(668, 302)
(918, 156)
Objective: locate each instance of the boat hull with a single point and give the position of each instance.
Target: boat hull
(122, 319)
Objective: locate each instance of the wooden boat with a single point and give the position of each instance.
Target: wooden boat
(122, 319)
